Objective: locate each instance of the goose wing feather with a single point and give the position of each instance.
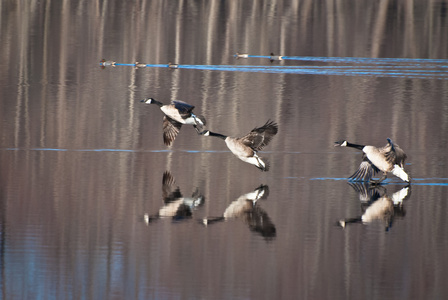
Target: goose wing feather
(170, 130)
(183, 107)
(168, 194)
(260, 137)
(365, 171)
(367, 193)
(394, 154)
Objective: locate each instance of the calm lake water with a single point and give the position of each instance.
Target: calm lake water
(82, 210)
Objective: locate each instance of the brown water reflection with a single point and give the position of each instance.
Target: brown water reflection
(176, 206)
(246, 208)
(81, 160)
(377, 205)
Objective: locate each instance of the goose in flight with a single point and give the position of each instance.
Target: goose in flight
(387, 159)
(177, 113)
(246, 147)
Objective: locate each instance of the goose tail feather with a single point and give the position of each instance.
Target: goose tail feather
(399, 172)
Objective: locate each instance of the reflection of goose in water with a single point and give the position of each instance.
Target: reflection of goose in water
(389, 158)
(377, 205)
(177, 113)
(176, 206)
(367, 193)
(247, 209)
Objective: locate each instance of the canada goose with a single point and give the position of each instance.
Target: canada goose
(380, 207)
(275, 57)
(247, 209)
(389, 158)
(176, 114)
(175, 206)
(173, 66)
(241, 55)
(139, 65)
(246, 147)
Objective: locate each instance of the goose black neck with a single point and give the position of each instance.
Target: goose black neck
(218, 135)
(360, 147)
(159, 104)
(353, 220)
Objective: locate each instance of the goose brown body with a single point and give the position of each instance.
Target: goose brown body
(246, 147)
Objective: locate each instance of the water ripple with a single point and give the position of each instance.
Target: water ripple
(356, 66)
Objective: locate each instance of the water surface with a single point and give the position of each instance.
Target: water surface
(82, 207)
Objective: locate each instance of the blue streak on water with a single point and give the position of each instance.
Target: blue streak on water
(432, 183)
(379, 67)
(327, 178)
(147, 65)
(325, 70)
(393, 182)
(205, 151)
(430, 178)
(421, 67)
(357, 59)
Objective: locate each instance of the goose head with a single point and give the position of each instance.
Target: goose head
(147, 100)
(205, 133)
(342, 143)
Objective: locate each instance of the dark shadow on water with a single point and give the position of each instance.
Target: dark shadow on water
(247, 209)
(176, 206)
(377, 205)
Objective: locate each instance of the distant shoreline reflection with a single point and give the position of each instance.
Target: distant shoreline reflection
(377, 205)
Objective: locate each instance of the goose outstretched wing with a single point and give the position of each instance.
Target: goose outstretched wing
(260, 137)
(170, 130)
(182, 107)
(365, 172)
(167, 188)
(394, 154)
